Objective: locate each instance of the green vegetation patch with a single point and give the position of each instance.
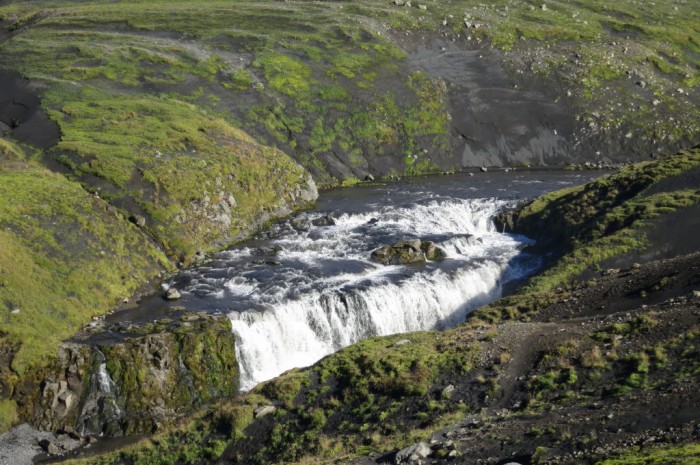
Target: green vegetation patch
(681, 454)
(604, 218)
(199, 180)
(66, 256)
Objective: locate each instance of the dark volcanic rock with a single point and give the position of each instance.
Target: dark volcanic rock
(21, 112)
(325, 220)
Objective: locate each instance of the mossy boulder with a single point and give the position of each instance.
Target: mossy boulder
(408, 251)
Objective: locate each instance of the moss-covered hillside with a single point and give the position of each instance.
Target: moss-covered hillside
(136, 134)
(366, 87)
(69, 254)
(565, 371)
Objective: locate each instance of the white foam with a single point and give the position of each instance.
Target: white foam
(313, 317)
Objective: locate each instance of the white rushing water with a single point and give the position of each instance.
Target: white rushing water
(328, 294)
(306, 286)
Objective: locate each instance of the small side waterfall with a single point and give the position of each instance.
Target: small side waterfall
(101, 405)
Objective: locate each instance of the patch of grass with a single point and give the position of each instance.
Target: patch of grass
(10, 150)
(241, 79)
(681, 454)
(285, 74)
(8, 414)
(603, 219)
(200, 180)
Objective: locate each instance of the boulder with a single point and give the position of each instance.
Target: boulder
(138, 220)
(413, 454)
(325, 220)
(400, 253)
(172, 294)
(432, 252)
(50, 447)
(300, 222)
(447, 392)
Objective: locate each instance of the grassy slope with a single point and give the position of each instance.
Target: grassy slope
(178, 165)
(312, 78)
(66, 256)
(669, 455)
(146, 95)
(602, 220)
(308, 85)
(377, 395)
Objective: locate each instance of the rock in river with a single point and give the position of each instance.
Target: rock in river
(400, 253)
(172, 294)
(408, 251)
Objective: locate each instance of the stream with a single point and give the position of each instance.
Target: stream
(306, 286)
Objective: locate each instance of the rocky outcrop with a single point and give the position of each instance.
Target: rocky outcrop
(408, 251)
(432, 252)
(576, 215)
(139, 379)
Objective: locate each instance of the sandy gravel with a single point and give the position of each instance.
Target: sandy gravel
(19, 445)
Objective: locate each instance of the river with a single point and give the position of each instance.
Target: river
(306, 287)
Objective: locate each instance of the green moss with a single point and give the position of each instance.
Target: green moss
(8, 414)
(178, 164)
(241, 79)
(285, 74)
(681, 454)
(64, 258)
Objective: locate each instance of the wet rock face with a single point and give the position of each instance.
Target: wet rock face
(137, 383)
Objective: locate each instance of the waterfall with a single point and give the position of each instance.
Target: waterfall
(326, 293)
(306, 287)
(100, 407)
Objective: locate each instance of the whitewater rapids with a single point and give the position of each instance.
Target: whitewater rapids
(314, 290)
(306, 287)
